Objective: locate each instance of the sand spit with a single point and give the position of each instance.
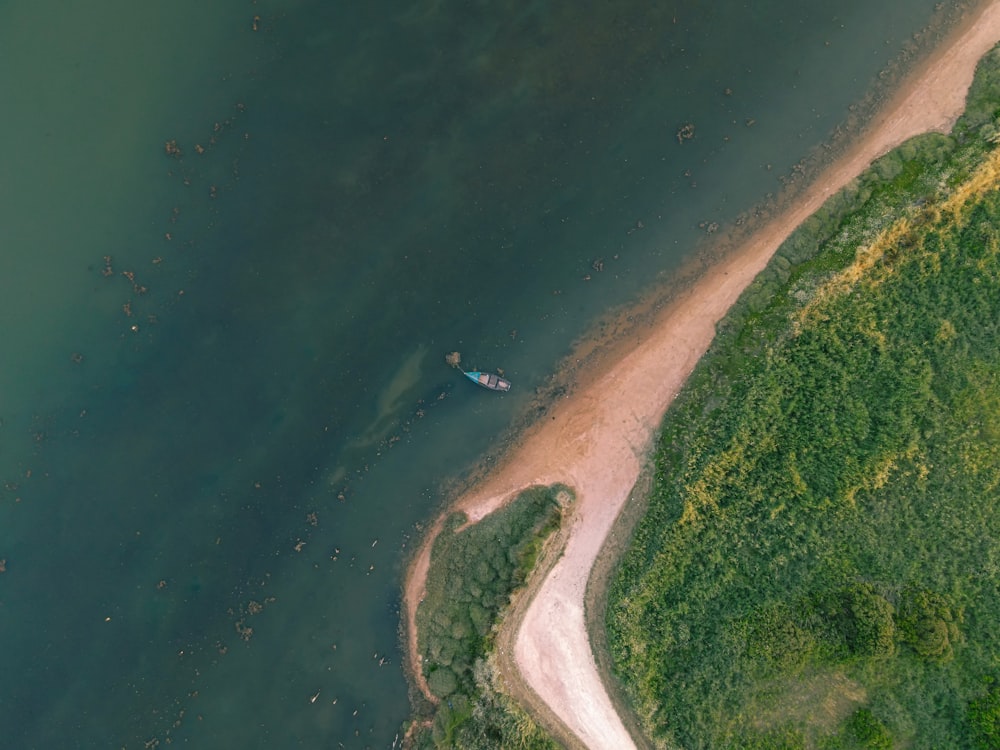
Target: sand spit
(598, 440)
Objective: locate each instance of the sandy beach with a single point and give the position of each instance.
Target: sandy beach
(598, 440)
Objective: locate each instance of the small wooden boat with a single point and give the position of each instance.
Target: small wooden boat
(489, 380)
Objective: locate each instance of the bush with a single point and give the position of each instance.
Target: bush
(984, 719)
(442, 682)
(984, 94)
(927, 624)
(868, 623)
(779, 640)
(868, 731)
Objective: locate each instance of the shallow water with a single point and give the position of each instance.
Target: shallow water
(218, 445)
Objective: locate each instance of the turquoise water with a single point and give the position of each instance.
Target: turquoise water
(218, 445)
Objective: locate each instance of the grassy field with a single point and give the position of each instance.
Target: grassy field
(474, 571)
(819, 566)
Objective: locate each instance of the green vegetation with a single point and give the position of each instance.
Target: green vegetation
(819, 566)
(474, 570)
(984, 716)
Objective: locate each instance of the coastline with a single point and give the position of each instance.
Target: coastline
(598, 439)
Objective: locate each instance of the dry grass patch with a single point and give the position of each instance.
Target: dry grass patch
(817, 704)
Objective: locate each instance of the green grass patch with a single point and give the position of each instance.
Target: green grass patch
(819, 566)
(474, 571)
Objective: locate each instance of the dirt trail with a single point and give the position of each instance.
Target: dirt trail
(597, 441)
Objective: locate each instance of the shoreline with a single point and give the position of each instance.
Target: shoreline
(598, 439)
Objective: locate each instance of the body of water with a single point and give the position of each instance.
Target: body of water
(237, 240)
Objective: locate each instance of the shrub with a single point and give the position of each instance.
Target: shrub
(871, 628)
(927, 624)
(984, 719)
(442, 682)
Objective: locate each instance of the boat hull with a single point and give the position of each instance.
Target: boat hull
(489, 380)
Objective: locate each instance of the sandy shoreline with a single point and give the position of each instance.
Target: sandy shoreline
(598, 440)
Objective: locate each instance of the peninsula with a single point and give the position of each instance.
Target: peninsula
(598, 440)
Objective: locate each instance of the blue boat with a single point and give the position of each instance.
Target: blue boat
(489, 380)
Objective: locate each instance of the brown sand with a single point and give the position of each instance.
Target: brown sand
(597, 441)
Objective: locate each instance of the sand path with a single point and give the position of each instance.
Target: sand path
(598, 440)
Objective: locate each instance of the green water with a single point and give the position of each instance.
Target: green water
(241, 428)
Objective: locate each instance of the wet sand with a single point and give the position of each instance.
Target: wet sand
(598, 440)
